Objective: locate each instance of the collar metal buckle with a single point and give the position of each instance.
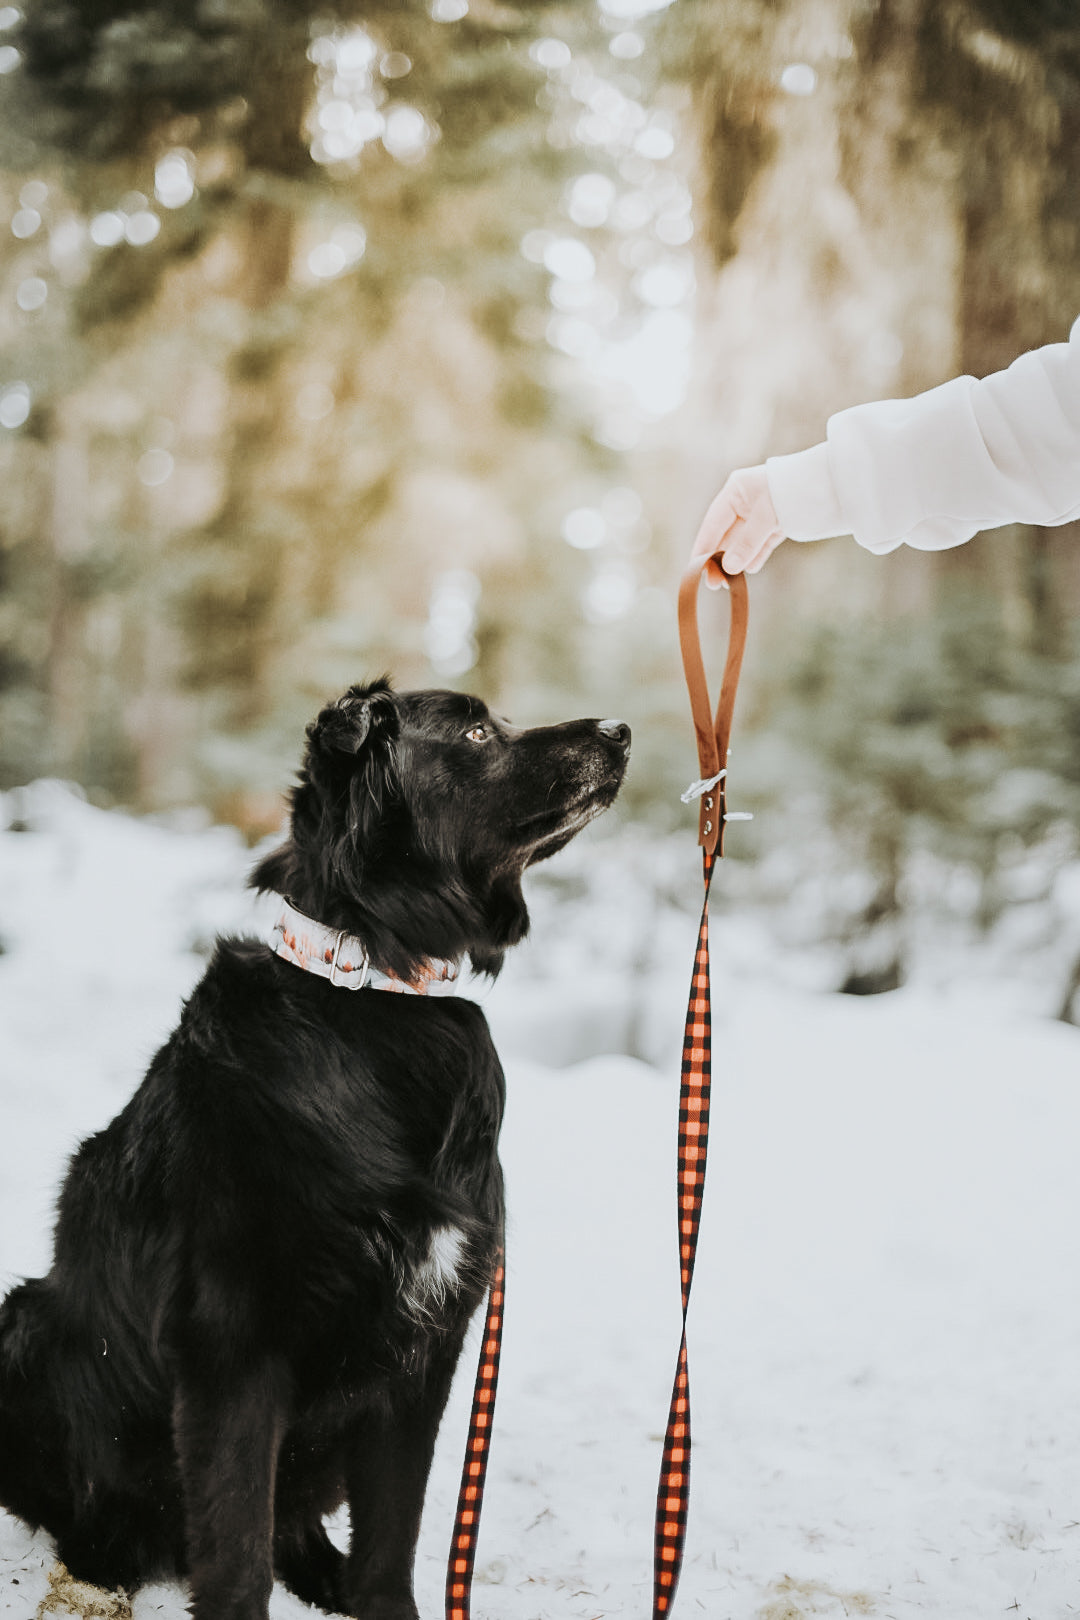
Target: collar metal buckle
(364, 969)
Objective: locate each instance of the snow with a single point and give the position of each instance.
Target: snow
(886, 1319)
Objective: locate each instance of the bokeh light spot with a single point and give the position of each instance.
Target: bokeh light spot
(610, 593)
(534, 244)
(355, 52)
(66, 243)
(674, 230)
(655, 143)
(584, 528)
(155, 467)
(352, 240)
(32, 293)
(335, 115)
(631, 10)
(407, 134)
(314, 401)
(551, 54)
(25, 222)
(107, 229)
(395, 65)
(14, 405)
(633, 210)
(322, 50)
(666, 284)
(173, 182)
(141, 227)
(590, 199)
(627, 46)
(573, 336)
(449, 641)
(798, 79)
(569, 259)
(327, 260)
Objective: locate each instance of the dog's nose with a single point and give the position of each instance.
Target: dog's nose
(617, 730)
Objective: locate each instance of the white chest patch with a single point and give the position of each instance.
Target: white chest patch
(433, 1278)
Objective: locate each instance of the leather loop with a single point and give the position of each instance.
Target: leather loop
(713, 733)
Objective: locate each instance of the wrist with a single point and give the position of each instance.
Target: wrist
(804, 495)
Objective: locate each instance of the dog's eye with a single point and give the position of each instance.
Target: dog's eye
(478, 733)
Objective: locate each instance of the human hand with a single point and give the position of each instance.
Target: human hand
(742, 523)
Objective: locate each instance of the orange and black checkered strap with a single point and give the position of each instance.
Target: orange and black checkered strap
(470, 1498)
(673, 1491)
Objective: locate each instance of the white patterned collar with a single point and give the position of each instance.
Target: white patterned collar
(332, 954)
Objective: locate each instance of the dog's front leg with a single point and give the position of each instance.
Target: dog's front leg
(387, 1471)
(228, 1427)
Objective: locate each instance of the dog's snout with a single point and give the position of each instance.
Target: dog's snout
(617, 730)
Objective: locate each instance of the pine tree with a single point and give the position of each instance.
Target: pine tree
(288, 336)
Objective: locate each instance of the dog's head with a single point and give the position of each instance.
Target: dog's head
(416, 814)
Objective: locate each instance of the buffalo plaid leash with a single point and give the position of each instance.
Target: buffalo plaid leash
(673, 1489)
(713, 735)
(471, 1495)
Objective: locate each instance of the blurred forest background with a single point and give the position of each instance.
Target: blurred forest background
(342, 338)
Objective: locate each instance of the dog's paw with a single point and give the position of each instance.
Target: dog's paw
(380, 1607)
(313, 1571)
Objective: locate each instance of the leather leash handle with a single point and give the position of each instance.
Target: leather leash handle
(713, 733)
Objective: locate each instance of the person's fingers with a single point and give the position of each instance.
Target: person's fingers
(734, 545)
(748, 542)
(764, 553)
(751, 538)
(741, 523)
(714, 576)
(711, 537)
(751, 554)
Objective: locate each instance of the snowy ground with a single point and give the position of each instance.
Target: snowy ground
(885, 1331)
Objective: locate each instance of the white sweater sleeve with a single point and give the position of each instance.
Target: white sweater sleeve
(934, 470)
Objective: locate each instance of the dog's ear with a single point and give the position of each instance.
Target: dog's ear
(351, 768)
(363, 715)
(348, 777)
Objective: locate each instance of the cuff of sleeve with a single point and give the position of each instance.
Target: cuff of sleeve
(804, 495)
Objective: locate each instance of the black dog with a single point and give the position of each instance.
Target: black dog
(265, 1266)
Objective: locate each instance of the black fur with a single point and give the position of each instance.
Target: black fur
(238, 1333)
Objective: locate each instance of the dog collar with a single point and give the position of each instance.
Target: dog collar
(331, 953)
